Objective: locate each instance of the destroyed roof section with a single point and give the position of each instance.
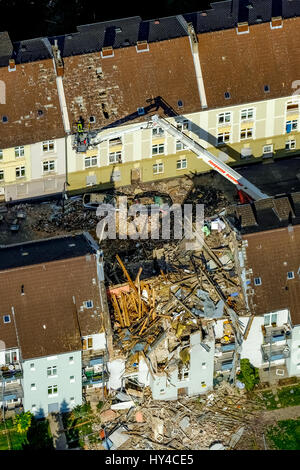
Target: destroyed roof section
(271, 255)
(44, 251)
(242, 64)
(45, 314)
(32, 105)
(123, 83)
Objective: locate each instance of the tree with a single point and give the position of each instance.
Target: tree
(23, 422)
(249, 374)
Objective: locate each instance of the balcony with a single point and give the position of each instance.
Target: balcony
(274, 353)
(13, 391)
(11, 372)
(274, 334)
(91, 377)
(224, 357)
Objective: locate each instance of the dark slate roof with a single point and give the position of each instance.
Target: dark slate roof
(227, 14)
(44, 251)
(92, 37)
(118, 33)
(266, 214)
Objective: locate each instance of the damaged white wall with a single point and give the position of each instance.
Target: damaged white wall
(200, 375)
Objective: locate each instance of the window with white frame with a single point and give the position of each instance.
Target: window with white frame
(223, 137)
(158, 149)
(158, 168)
(48, 166)
(91, 161)
(6, 318)
(20, 172)
(157, 132)
(11, 357)
(183, 125)
(290, 275)
(33, 387)
(1, 154)
(52, 390)
(180, 146)
(88, 304)
(291, 125)
(290, 144)
(181, 164)
(268, 148)
(19, 151)
(71, 360)
(257, 281)
(52, 371)
(247, 133)
(48, 146)
(32, 367)
(33, 408)
(72, 400)
(115, 157)
(247, 114)
(1, 175)
(224, 118)
(72, 379)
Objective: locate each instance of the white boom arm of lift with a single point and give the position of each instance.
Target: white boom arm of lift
(241, 183)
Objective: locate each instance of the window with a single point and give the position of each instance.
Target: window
(267, 148)
(90, 161)
(116, 141)
(48, 165)
(48, 146)
(6, 318)
(294, 107)
(227, 95)
(257, 281)
(267, 319)
(115, 157)
(92, 119)
(20, 172)
(4, 119)
(290, 144)
(247, 114)
(157, 132)
(19, 152)
(181, 164)
(291, 125)
(203, 365)
(203, 384)
(32, 387)
(223, 137)
(140, 111)
(246, 133)
(180, 146)
(90, 343)
(290, 275)
(267, 88)
(72, 379)
(158, 149)
(158, 168)
(180, 104)
(1, 154)
(1, 175)
(71, 360)
(33, 408)
(72, 400)
(274, 318)
(224, 118)
(183, 125)
(52, 371)
(32, 367)
(88, 304)
(52, 390)
(10, 357)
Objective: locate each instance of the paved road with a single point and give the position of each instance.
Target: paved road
(281, 176)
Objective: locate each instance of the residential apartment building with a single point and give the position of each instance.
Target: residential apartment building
(54, 323)
(270, 262)
(206, 72)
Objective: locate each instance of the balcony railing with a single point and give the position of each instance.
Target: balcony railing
(275, 353)
(11, 392)
(11, 372)
(93, 378)
(275, 333)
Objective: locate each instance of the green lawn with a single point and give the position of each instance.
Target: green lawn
(287, 396)
(38, 436)
(285, 435)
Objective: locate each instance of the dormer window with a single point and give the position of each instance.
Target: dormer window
(227, 95)
(242, 28)
(140, 111)
(88, 304)
(107, 52)
(142, 46)
(276, 22)
(6, 318)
